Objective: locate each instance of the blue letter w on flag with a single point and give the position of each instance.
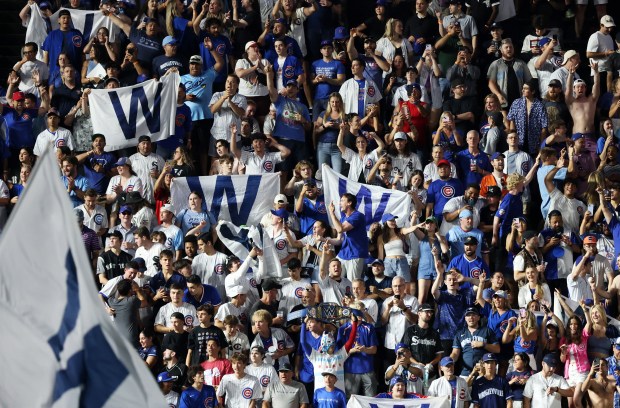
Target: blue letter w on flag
(138, 97)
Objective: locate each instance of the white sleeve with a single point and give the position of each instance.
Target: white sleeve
(161, 317)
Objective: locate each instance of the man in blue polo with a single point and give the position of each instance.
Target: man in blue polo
(473, 341)
(442, 190)
(65, 39)
(354, 242)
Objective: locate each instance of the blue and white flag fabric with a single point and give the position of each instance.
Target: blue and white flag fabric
(357, 401)
(60, 349)
(87, 21)
(240, 240)
(124, 114)
(242, 200)
(372, 201)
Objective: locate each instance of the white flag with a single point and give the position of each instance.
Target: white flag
(124, 114)
(87, 21)
(372, 201)
(60, 349)
(242, 200)
(357, 401)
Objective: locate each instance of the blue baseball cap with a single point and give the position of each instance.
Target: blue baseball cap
(326, 43)
(551, 360)
(341, 33)
(388, 217)
(291, 82)
(396, 380)
(164, 377)
(446, 361)
(121, 162)
(465, 214)
(376, 261)
(125, 208)
(141, 264)
(497, 155)
(282, 213)
(489, 357)
(400, 346)
(169, 40)
(544, 41)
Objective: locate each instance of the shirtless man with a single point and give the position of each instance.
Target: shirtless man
(582, 108)
(600, 385)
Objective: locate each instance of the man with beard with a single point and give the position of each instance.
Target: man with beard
(228, 107)
(424, 341)
(469, 264)
(496, 178)
(553, 100)
(442, 190)
(507, 75)
(376, 65)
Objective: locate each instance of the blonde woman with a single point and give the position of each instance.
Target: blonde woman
(599, 345)
(392, 41)
(534, 289)
(524, 332)
(326, 129)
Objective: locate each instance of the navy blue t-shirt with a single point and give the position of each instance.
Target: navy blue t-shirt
(469, 355)
(491, 393)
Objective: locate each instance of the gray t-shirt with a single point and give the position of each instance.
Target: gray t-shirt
(286, 396)
(126, 317)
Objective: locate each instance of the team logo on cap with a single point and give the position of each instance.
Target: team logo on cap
(371, 91)
(98, 219)
(280, 244)
(189, 320)
(247, 393)
(289, 71)
(77, 41)
(447, 191)
(475, 272)
(298, 292)
(219, 269)
(264, 381)
(268, 165)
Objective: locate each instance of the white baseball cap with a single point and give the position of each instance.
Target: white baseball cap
(236, 290)
(568, 55)
(280, 197)
(167, 207)
(607, 21)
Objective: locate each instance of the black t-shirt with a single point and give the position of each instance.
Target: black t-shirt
(463, 105)
(426, 28)
(423, 343)
(114, 265)
(162, 63)
(177, 342)
(198, 338)
(486, 218)
(374, 27)
(178, 372)
(249, 33)
(65, 98)
(148, 47)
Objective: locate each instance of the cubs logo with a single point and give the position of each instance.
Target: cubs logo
(280, 345)
(129, 189)
(580, 210)
(525, 167)
(280, 244)
(189, 320)
(462, 394)
(247, 393)
(179, 120)
(26, 116)
(219, 269)
(297, 21)
(298, 292)
(237, 347)
(77, 41)
(208, 402)
(413, 377)
(221, 49)
(321, 208)
(447, 191)
(503, 326)
(60, 142)
(369, 164)
(289, 71)
(475, 272)
(264, 381)
(253, 282)
(371, 91)
(268, 166)
(98, 219)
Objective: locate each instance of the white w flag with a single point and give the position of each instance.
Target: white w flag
(372, 201)
(59, 347)
(357, 401)
(87, 21)
(125, 114)
(242, 200)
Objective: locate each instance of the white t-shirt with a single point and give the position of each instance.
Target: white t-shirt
(239, 392)
(148, 255)
(223, 118)
(571, 209)
(59, 138)
(333, 291)
(229, 309)
(257, 165)
(164, 315)
(143, 165)
(599, 42)
(133, 184)
(249, 85)
(265, 373)
(431, 174)
(212, 270)
(536, 390)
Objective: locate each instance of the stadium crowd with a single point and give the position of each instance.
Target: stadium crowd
(496, 291)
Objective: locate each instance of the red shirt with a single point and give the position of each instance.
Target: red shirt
(417, 120)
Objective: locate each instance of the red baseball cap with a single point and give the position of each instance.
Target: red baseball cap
(18, 96)
(443, 162)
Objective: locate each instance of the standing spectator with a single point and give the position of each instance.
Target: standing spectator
(442, 190)
(420, 28)
(507, 75)
(570, 62)
(354, 243)
(329, 396)
(472, 163)
(491, 390)
(111, 263)
(92, 243)
(227, 107)
(285, 393)
(65, 39)
(147, 166)
(473, 341)
(198, 394)
(75, 184)
(449, 384)
(424, 341)
(456, 17)
(327, 76)
(162, 63)
(546, 389)
(463, 108)
(30, 68)
(359, 92)
(529, 117)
